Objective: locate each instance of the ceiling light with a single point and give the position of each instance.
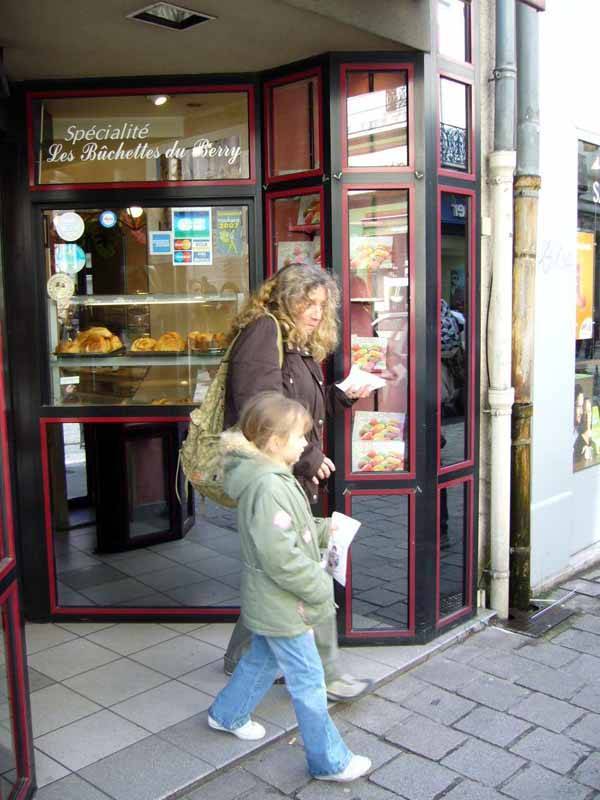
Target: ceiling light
(135, 211)
(168, 15)
(158, 99)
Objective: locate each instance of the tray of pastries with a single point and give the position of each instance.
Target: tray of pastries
(170, 343)
(202, 342)
(96, 341)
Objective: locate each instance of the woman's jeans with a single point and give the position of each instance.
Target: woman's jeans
(325, 639)
(297, 657)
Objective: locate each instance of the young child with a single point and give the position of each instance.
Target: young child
(284, 588)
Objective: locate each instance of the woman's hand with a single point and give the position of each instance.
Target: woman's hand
(357, 392)
(325, 470)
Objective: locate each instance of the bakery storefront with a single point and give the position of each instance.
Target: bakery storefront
(145, 213)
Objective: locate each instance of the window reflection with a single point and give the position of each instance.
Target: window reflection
(454, 124)
(453, 543)
(380, 563)
(377, 118)
(379, 326)
(453, 29)
(7, 749)
(294, 144)
(296, 227)
(454, 316)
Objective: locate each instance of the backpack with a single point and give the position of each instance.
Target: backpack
(201, 454)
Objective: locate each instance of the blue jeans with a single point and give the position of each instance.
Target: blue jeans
(297, 657)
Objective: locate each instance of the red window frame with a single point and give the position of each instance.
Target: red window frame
(349, 631)
(442, 621)
(469, 173)
(270, 199)
(411, 473)
(469, 461)
(268, 123)
(375, 67)
(197, 89)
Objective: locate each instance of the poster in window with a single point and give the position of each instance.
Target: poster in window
(584, 296)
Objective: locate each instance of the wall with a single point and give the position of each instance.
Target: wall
(565, 505)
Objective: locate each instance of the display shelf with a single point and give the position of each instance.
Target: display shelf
(310, 230)
(150, 299)
(136, 361)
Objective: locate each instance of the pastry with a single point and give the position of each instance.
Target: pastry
(229, 288)
(69, 346)
(170, 342)
(199, 341)
(143, 344)
(115, 343)
(100, 330)
(94, 343)
(220, 340)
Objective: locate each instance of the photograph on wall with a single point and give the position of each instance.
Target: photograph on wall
(192, 236)
(584, 297)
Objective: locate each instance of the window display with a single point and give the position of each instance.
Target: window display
(586, 396)
(454, 591)
(293, 126)
(455, 334)
(140, 309)
(376, 118)
(379, 327)
(295, 226)
(192, 136)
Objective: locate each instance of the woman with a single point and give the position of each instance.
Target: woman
(304, 302)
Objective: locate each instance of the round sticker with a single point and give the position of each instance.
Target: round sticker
(60, 287)
(108, 219)
(69, 226)
(69, 258)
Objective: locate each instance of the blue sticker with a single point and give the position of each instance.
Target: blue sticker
(108, 219)
(69, 258)
(160, 243)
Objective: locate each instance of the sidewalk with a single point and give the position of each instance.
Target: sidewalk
(494, 716)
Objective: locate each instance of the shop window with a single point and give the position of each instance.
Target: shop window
(295, 228)
(455, 145)
(141, 300)
(118, 534)
(455, 334)
(381, 563)
(199, 136)
(376, 118)
(454, 543)
(293, 114)
(8, 759)
(586, 408)
(454, 28)
(378, 320)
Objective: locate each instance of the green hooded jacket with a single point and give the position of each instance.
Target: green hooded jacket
(284, 590)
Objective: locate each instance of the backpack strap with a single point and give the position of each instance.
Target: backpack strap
(279, 337)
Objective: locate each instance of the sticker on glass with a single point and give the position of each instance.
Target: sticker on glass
(68, 258)
(69, 226)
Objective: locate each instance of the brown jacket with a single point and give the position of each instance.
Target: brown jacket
(254, 367)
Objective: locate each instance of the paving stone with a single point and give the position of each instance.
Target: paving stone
(425, 737)
(176, 659)
(583, 604)
(551, 750)
(581, 586)
(281, 766)
(585, 667)
(550, 654)
(550, 681)
(414, 777)
(40, 636)
(367, 744)
(588, 698)
(362, 788)
(506, 665)
(582, 641)
(587, 730)
(37, 680)
(226, 786)
(537, 783)
(71, 658)
(589, 771)
(553, 714)
(262, 792)
(115, 682)
(400, 688)
(463, 653)
(445, 673)
(70, 788)
(493, 692)
(439, 705)
(373, 714)
(498, 639)
(483, 762)
(151, 768)
(587, 622)
(163, 706)
(468, 790)
(47, 770)
(127, 638)
(493, 726)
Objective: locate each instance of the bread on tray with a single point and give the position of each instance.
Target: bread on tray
(143, 344)
(170, 342)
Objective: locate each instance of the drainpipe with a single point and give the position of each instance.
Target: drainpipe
(501, 394)
(526, 192)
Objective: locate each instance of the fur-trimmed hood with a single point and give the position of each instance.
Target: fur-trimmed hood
(244, 463)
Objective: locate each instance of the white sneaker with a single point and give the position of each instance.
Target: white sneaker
(357, 767)
(250, 731)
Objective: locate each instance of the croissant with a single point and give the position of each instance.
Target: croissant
(199, 341)
(143, 343)
(94, 343)
(170, 342)
(70, 346)
(115, 342)
(100, 330)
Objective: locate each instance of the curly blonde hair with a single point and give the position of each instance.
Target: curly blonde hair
(285, 295)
